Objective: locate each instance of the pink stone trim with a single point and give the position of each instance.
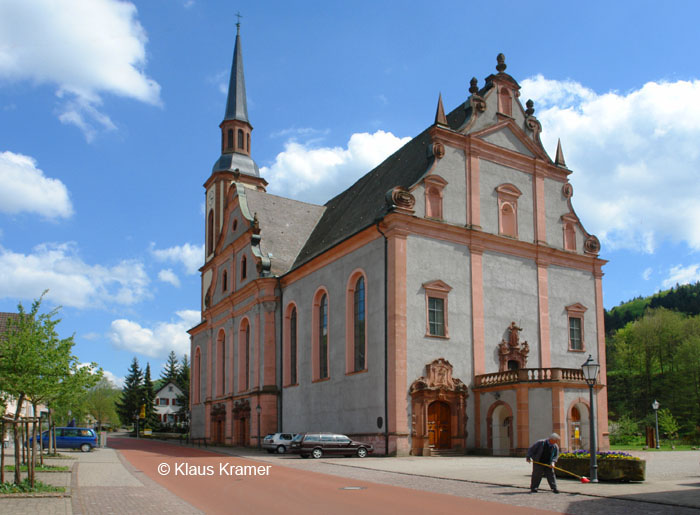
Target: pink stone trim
(576, 311)
(197, 376)
(508, 195)
(523, 422)
(434, 186)
(245, 322)
(350, 321)
(558, 422)
(477, 282)
(540, 209)
(220, 361)
(474, 204)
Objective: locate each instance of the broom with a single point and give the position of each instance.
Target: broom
(583, 479)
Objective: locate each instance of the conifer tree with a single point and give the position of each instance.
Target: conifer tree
(149, 396)
(129, 406)
(171, 370)
(183, 382)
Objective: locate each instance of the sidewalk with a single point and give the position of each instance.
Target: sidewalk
(100, 482)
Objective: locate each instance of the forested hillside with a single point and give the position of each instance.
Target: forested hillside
(653, 352)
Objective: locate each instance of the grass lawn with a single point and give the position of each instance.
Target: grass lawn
(23, 488)
(665, 446)
(40, 468)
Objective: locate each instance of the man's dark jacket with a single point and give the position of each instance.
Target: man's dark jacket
(536, 449)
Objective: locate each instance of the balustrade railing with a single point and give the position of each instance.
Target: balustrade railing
(530, 375)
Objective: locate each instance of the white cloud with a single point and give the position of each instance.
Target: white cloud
(168, 276)
(70, 281)
(83, 48)
(682, 275)
(25, 188)
(158, 341)
(316, 174)
(190, 256)
(646, 275)
(115, 380)
(634, 156)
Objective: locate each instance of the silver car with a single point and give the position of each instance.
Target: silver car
(278, 442)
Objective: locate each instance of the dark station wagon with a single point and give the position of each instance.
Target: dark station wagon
(331, 444)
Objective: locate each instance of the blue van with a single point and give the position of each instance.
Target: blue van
(81, 438)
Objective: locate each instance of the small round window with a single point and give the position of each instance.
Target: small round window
(235, 224)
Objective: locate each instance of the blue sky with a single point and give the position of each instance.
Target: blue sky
(109, 114)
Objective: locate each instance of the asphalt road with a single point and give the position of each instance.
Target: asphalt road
(216, 483)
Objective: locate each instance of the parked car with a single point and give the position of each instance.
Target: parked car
(318, 444)
(82, 438)
(278, 442)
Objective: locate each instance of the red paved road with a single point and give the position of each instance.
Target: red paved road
(285, 490)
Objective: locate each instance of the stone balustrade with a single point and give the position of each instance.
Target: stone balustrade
(530, 375)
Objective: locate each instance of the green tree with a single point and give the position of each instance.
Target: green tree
(149, 396)
(101, 402)
(668, 424)
(183, 382)
(171, 370)
(129, 406)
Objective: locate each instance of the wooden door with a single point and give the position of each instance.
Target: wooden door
(439, 433)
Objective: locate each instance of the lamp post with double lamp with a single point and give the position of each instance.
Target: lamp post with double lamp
(656, 405)
(590, 373)
(258, 409)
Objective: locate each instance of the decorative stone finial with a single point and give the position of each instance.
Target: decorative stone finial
(473, 87)
(559, 158)
(501, 66)
(530, 107)
(440, 118)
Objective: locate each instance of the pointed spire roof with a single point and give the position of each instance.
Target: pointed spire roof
(440, 118)
(559, 158)
(236, 104)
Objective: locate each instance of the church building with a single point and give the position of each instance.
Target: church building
(444, 302)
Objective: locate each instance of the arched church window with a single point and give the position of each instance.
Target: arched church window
(229, 142)
(240, 140)
(210, 232)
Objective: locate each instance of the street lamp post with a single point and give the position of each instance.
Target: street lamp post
(590, 373)
(259, 409)
(656, 405)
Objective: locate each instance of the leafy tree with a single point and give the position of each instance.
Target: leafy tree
(171, 371)
(668, 424)
(101, 402)
(149, 396)
(129, 406)
(183, 381)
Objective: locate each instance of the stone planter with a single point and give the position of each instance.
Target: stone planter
(609, 469)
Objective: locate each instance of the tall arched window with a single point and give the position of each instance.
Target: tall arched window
(248, 142)
(210, 232)
(359, 324)
(240, 140)
(290, 346)
(506, 102)
(319, 336)
(220, 362)
(508, 195)
(224, 281)
(244, 268)
(196, 376)
(244, 356)
(508, 226)
(229, 142)
(434, 184)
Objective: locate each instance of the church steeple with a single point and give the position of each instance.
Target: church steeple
(235, 127)
(236, 103)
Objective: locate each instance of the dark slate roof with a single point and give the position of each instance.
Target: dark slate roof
(236, 103)
(4, 317)
(285, 225)
(363, 203)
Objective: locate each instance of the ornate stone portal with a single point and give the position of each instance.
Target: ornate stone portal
(512, 354)
(438, 407)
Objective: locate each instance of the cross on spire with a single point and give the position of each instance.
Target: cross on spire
(238, 23)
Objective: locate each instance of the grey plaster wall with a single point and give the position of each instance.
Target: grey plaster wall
(241, 227)
(489, 117)
(219, 293)
(556, 205)
(510, 295)
(344, 403)
(492, 175)
(429, 260)
(454, 201)
(566, 287)
(251, 272)
(540, 400)
(506, 139)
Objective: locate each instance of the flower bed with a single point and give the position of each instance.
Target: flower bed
(612, 465)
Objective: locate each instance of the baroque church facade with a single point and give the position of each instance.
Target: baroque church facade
(446, 300)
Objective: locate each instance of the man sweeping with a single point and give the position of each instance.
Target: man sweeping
(544, 453)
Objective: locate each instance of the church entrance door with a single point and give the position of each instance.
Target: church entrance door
(439, 425)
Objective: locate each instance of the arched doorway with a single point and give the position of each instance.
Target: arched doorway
(241, 422)
(439, 434)
(438, 410)
(578, 426)
(218, 423)
(502, 431)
